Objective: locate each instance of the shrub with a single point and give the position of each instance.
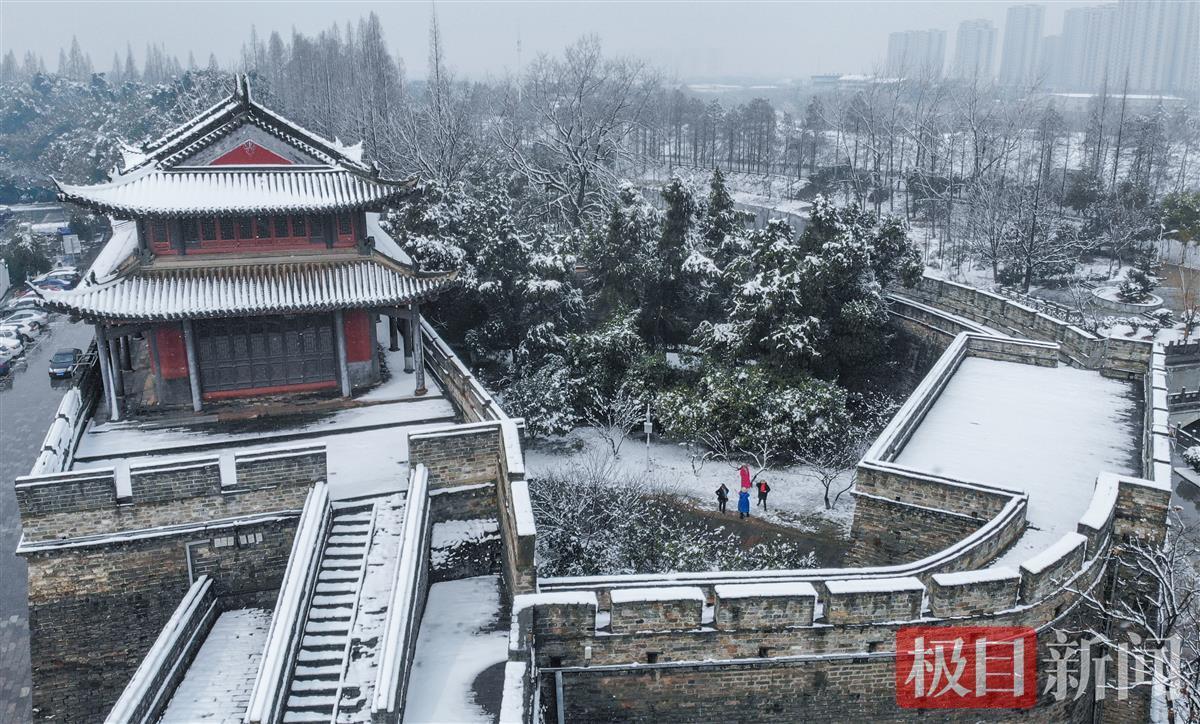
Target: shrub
(593, 520)
(1191, 456)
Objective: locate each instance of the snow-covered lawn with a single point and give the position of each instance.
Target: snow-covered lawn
(796, 498)
(458, 641)
(1046, 430)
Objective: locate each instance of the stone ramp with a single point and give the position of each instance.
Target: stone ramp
(217, 685)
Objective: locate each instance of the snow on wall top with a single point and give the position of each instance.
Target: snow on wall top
(247, 289)
(560, 598)
(1048, 557)
(875, 585)
(754, 590)
(964, 578)
(666, 593)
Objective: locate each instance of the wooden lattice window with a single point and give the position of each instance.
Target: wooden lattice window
(158, 232)
(228, 229)
(189, 230)
(299, 227)
(208, 229)
(281, 227)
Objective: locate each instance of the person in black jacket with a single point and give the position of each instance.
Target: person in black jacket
(763, 489)
(722, 497)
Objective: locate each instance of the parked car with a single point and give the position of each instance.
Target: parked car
(36, 316)
(27, 330)
(53, 283)
(64, 362)
(11, 341)
(23, 301)
(57, 278)
(5, 364)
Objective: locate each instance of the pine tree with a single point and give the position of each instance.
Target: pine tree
(130, 74)
(8, 68)
(662, 320)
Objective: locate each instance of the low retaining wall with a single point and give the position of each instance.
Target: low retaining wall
(410, 589)
(71, 418)
(465, 455)
(1113, 356)
(268, 697)
(149, 691)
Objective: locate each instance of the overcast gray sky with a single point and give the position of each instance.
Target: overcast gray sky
(767, 40)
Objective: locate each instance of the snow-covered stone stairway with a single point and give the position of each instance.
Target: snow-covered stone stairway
(317, 679)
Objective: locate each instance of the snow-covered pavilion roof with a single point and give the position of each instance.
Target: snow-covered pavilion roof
(238, 157)
(322, 283)
(121, 286)
(233, 190)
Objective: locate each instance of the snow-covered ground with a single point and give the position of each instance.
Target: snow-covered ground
(1048, 431)
(796, 498)
(360, 462)
(459, 639)
(216, 687)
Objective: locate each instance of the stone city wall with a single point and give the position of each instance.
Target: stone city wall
(1114, 356)
(486, 452)
(95, 609)
(148, 495)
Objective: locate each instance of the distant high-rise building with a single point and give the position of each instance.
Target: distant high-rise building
(975, 50)
(1050, 62)
(916, 53)
(1157, 48)
(1085, 50)
(1022, 43)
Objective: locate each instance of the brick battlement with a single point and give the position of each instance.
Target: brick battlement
(124, 498)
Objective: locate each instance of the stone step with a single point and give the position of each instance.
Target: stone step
(334, 575)
(319, 658)
(323, 641)
(305, 717)
(311, 702)
(325, 676)
(315, 686)
(339, 627)
(334, 588)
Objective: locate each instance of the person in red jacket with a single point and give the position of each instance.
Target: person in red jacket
(745, 473)
(763, 489)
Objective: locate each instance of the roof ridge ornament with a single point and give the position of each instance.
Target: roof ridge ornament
(241, 88)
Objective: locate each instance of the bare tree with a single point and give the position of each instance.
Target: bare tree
(1157, 606)
(565, 124)
(615, 417)
(436, 137)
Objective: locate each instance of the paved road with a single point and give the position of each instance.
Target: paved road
(28, 400)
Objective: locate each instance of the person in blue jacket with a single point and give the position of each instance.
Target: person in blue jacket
(744, 504)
